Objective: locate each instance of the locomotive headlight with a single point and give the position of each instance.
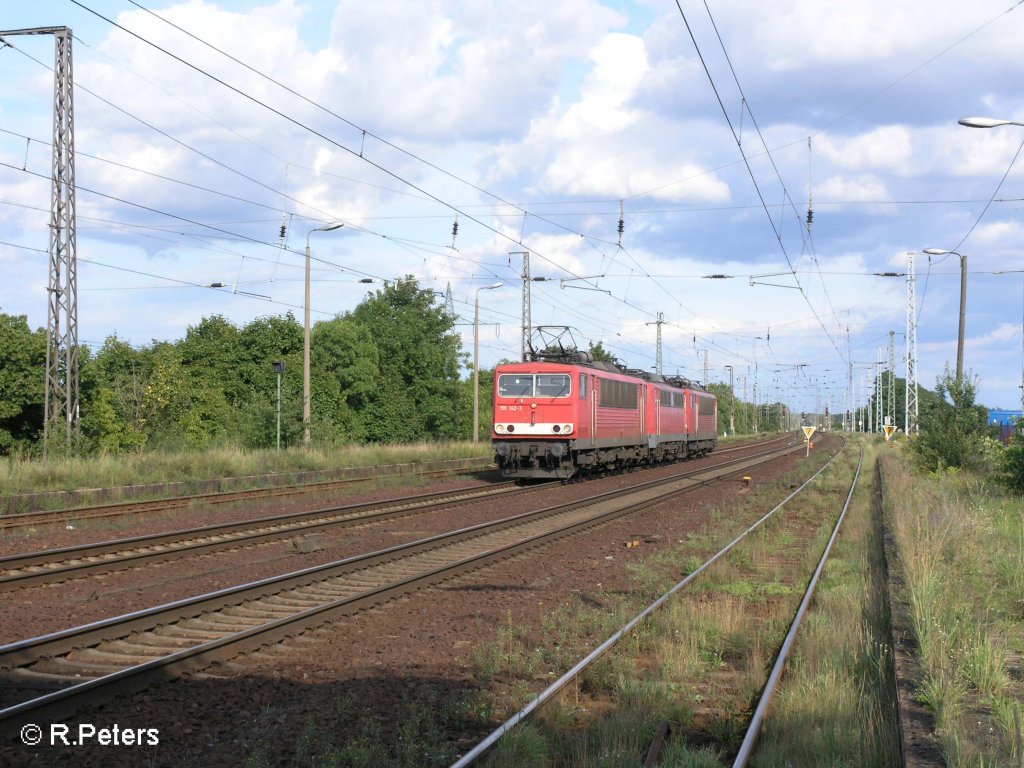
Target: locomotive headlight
(499, 428)
(511, 428)
(556, 429)
(567, 428)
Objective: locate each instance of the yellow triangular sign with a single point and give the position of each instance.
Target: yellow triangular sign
(808, 431)
(889, 429)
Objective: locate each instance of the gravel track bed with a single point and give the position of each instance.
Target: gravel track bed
(381, 659)
(93, 531)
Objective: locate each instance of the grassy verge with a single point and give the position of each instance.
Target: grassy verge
(699, 664)
(37, 475)
(960, 545)
(836, 704)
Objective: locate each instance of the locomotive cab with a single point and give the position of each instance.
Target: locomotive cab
(536, 408)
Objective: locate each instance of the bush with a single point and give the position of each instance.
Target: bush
(953, 434)
(1011, 463)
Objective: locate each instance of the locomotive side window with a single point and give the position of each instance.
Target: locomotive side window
(553, 385)
(618, 394)
(583, 386)
(515, 385)
(670, 399)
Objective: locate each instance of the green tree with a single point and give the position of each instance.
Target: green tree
(210, 404)
(346, 381)
(600, 354)
(486, 405)
(951, 428)
(725, 402)
(113, 418)
(22, 383)
(263, 342)
(419, 395)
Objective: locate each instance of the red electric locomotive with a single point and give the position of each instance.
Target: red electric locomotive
(559, 418)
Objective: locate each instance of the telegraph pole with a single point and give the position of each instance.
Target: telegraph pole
(61, 410)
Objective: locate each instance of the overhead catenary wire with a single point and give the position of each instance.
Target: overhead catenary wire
(338, 144)
(644, 273)
(341, 146)
(750, 171)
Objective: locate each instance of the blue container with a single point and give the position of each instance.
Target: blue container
(1005, 421)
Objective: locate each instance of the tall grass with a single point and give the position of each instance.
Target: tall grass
(700, 662)
(836, 704)
(960, 547)
(23, 475)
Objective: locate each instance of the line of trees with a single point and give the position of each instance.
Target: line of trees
(388, 371)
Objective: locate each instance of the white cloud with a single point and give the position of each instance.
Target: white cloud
(887, 148)
(562, 108)
(620, 62)
(852, 189)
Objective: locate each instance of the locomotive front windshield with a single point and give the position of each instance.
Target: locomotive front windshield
(533, 385)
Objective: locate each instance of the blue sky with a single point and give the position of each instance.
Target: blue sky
(533, 123)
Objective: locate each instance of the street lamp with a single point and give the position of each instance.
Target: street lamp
(963, 299)
(305, 345)
(476, 359)
(991, 122)
(985, 122)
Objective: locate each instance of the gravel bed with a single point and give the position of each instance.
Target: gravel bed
(380, 660)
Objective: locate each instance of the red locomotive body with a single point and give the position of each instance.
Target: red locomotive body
(556, 419)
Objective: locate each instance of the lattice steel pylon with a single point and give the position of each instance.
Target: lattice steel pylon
(657, 350)
(878, 389)
(890, 389)
(527, 329)
(61, 410)
(910, 416)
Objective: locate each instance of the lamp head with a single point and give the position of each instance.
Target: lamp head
(982, 122)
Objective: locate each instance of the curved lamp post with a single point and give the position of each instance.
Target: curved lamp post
(990, 122)
(963, 305)
(476, 359)
(985, 122)
(305, 343)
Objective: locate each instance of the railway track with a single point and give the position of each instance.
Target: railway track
(57, 565)
(80, 665)
(654, 754)
(118, 509)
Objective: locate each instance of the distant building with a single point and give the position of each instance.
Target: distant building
(1005, 421)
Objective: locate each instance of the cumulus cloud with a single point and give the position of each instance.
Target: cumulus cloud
(561, 110)
(852, 189)
(887, 148)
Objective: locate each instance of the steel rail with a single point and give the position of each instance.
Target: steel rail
(120, 508)
(257, 634)
(55, 565)
(48, 566)
(13, 654)
(754, 729)
(552, 690)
